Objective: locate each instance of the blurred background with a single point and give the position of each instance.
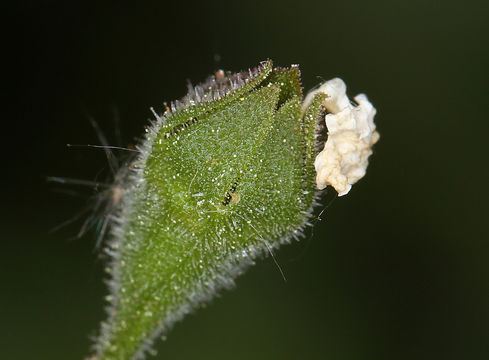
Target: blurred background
(398, 269)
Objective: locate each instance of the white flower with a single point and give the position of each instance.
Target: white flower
(351, 135)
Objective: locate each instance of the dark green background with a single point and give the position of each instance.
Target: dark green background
(398, 269)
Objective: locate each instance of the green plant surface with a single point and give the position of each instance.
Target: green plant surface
(224, 177)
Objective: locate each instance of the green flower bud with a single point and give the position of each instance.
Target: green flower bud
(223, 177)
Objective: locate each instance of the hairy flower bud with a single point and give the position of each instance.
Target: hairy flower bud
(223, 176)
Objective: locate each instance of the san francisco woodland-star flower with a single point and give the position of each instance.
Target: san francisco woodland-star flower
(351, 135)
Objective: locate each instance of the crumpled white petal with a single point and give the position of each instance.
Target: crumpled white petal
(351, 135)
